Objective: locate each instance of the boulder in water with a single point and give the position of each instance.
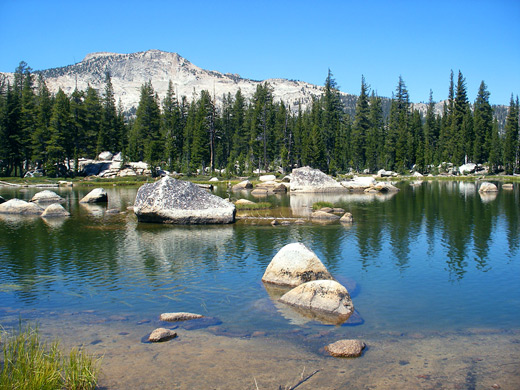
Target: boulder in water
(97, 195)
(307, 179)
(293, 265)
(47, 196)
(181, 202)
(18, 206)
(326, 297)
(55, 210)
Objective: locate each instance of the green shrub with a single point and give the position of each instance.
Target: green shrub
(320, 205)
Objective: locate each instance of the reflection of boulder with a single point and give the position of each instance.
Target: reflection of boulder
(325, 300)
(293, 265)
(18, 206)
(301, 204)
(505, 186)
(93, 209)
(488, 196)
(307, 179)
(180, 202)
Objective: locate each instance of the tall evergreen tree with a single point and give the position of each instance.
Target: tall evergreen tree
(396, 142)
(59, 133)
(461, 125)
(483, 125)
(510, 144)
(331, 119)
(361, 127)
(108, 138)
(41, 135)
(431, 135)
(374, 139)
(171, 127)
(144, 143)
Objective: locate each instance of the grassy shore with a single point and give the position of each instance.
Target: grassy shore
(27, 362)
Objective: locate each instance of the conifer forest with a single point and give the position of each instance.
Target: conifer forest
(52, 131)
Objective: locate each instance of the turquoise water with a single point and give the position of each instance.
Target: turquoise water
(435, 257)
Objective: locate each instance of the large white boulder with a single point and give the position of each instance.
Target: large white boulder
(467, 168)
(97, 195)
(359, 183)
(488, 187)
(267, 178)
(47, 196)
(18, 206)
(307, 179)
(180, 202)
(243, 185)
(293, 265)
(105, 156)
(323, 296)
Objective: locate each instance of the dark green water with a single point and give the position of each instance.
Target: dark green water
(433, 257)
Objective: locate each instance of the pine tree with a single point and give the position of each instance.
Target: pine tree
(510, 144)
(59, 132)
(360, 128)
(461, 125)
(483, 125)
(396, 154)
(374, 139)
(108, 139)
(41, 135)
(93, 114)
(431, 135)
(144, 143)
(495, 152)
(171, 127)
(331, 119)
(76, 144)
(262, 125)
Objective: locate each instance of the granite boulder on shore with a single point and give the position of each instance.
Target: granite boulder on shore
(307, 179)
(181, 202)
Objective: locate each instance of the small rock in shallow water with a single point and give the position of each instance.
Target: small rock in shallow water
(346, 348)
(161, 334)
(173, 317)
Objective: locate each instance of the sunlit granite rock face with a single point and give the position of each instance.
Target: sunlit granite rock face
(307, 179)
(18, 206)
(293, 265)
(326, 298)
(181, 202)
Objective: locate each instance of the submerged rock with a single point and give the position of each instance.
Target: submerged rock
(488, 187)
(97, 195)
(307, 179)
(346, 348)
(47, 196)
(161, 334)
(347, 218)
(324, 216)
(243, 185)
(18, 206)
(180, 202)
(174, 317)
(322, 296)
(293, 265)
(55, 210)
(505, 186)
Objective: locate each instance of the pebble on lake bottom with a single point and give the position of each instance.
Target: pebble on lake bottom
(161, 334)
(346, 348)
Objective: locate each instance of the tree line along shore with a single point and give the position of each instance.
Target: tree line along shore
(51, 132)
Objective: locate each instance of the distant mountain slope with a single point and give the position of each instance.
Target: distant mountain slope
(130, 71)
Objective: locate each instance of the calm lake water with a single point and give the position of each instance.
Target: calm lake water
(434, 261)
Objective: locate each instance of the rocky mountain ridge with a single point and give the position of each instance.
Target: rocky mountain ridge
(130, 71)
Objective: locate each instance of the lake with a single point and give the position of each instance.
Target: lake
(433, 271)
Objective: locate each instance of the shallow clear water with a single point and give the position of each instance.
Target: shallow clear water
(437, 257)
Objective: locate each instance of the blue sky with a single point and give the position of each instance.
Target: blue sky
(382, 40)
